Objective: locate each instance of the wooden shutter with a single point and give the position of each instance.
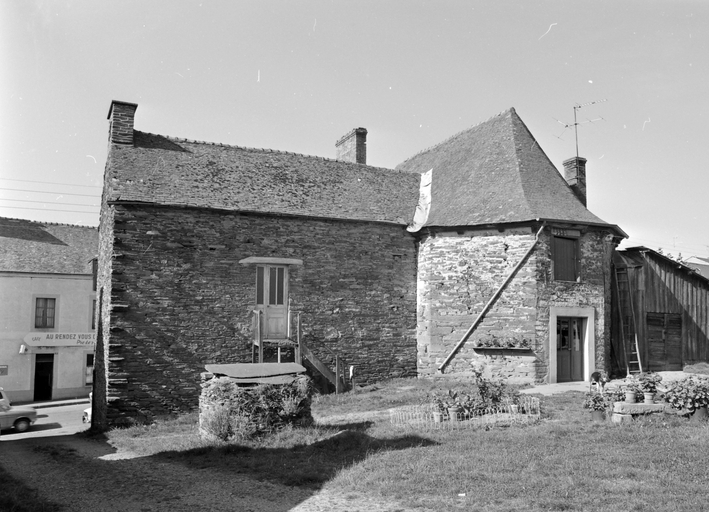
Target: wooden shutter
(564, 253)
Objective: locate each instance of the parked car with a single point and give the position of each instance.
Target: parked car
(86, 418)
(19, 417)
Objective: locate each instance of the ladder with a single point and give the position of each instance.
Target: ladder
(626, 313)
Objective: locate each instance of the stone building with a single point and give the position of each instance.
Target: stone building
(47, 307)
(513, 270)
(388, 268)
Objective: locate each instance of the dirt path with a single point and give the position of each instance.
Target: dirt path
(81, 474)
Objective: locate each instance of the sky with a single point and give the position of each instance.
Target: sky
(297, 75)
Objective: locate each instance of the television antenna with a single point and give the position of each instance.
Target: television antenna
(575, 124)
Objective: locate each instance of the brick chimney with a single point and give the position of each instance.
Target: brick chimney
(575, 174)
(121, 116)
(353, 147)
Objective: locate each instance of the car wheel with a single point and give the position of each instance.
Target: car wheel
(22, 425)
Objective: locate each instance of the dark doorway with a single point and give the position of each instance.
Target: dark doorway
(570, 347)
(43, 377)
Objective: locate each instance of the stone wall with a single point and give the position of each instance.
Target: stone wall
(593, 290)
(188, 302)
(459, 272)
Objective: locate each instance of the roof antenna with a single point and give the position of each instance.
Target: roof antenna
(576, 123)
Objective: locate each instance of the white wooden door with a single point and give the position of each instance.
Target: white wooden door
(272, 299)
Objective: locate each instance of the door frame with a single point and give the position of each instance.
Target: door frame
(588, 333)
(34, 374)
(267, 307)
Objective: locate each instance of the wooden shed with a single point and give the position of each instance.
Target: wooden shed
(660, 313)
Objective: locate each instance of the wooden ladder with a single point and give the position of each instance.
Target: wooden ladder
(629, 334)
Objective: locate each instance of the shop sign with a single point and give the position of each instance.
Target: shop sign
(61, 339)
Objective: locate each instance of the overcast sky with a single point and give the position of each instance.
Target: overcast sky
(296, 75)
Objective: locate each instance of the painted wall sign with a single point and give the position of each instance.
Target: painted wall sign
(61, 339)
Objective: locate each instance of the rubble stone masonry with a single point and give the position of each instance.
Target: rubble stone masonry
(459, 271)
(179, 299)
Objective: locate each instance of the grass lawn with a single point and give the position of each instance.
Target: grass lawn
(564, 462)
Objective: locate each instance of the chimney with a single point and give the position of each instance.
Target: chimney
(353, 147)
(575, 174)
(121, 115)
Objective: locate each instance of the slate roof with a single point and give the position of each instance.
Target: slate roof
(169, 171)
(28, 246)
(496, 173)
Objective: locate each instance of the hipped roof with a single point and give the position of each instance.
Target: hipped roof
(37, 247)
(496, 173)
(177, 172)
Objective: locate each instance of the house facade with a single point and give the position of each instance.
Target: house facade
(47, 298)
(476, 251)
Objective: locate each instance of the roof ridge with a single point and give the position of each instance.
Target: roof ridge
(49, 223)
(430, 148)
(263, 150)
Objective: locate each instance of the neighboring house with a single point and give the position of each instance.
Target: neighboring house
(701, 265)
(388, 268)
(665, 306)
(47, 306)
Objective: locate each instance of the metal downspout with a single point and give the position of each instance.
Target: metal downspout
(490, 302)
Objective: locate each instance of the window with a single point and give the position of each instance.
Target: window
(565, 256)
(93, 315)
(44, 313)
(89, 372)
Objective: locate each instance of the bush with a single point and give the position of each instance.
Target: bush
(484, 396)
(229, 411)
(688, 394)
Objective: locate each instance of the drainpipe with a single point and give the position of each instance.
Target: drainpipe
(490, 302)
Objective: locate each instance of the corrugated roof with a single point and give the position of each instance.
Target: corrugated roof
(495, 173)
(28, 246)
(169, 171)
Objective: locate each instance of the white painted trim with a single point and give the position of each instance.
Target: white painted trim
(265, 260)
(589, 334)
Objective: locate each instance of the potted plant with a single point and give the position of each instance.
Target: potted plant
(439, 407)
(454, 405)
(690, 395)
(596, 403)
(648, 385)
(631, 389)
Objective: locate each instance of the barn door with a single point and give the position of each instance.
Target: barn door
(272, 299)
(664, 337)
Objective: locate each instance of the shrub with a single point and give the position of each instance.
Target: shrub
(216, 423)
(229, 411)
(690, 393)
(485, 395)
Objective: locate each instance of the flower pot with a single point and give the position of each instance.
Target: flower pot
(630, 397)
(455, 413)
(699, 415)
(437, 417)
(597, 416)
(649, 398)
